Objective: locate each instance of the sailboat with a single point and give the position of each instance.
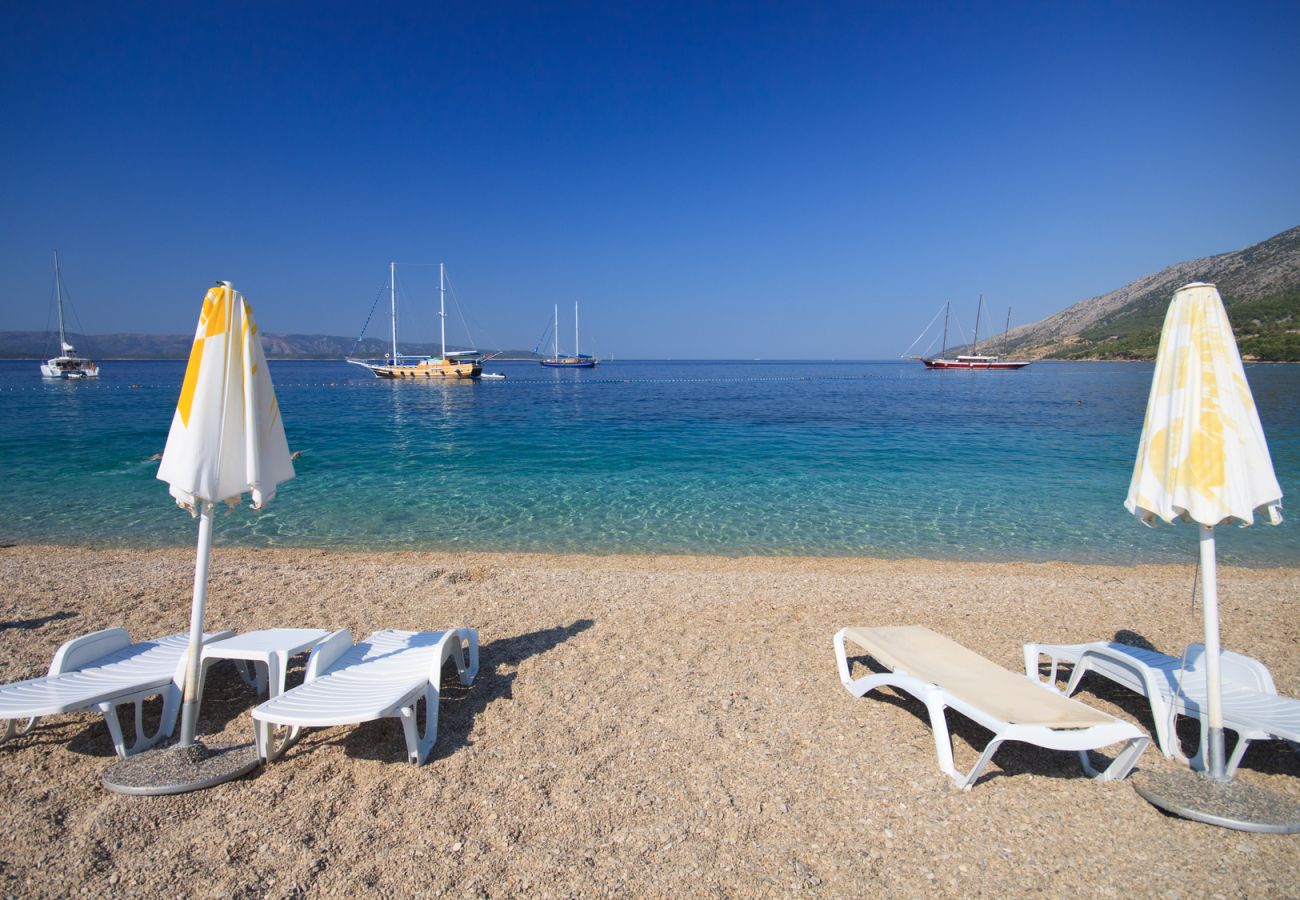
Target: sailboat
(457, 364)
(577, 360)
(974, 359)
(66, 364)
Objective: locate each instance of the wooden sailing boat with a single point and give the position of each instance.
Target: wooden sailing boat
(974, 359)
(457, 364)
(66, 364)
(577, 360)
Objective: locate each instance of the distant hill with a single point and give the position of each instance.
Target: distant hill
(1260, 286)
(40, 344)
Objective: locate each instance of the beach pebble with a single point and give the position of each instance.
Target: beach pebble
(641, 781)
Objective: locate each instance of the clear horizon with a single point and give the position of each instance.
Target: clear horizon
(709, 181)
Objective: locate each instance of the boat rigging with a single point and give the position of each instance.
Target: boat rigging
(66, 364)
(974, 359)
(453, 364)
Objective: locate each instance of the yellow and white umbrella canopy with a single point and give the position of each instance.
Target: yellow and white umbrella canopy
(1203, 457)
(226, 436)
(226, 439)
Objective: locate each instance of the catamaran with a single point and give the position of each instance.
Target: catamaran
(66, 364)
(974, 359)
(456, 364)
(577, 360)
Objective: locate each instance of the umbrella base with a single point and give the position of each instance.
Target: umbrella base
(1228, 804)
(178, 770)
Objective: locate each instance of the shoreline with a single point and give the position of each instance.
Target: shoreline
(648, 725)
(1187, 559)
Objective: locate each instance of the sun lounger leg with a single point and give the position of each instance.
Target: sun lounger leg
(261, 738)
(1166, 720)
(942, 739)
(1123, 763)
(943, 744)
(170, 711)
(13, 729)
(143, 740)
(1076, 675)
(841, 658)
(467, 674)
(1197, 761)
(114, 728)
(1237, 753)
(1032, 658)
(965, 782)
(418, 745)
(269, 744)
(453, 649)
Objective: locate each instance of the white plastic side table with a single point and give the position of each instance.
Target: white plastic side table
(268, 650)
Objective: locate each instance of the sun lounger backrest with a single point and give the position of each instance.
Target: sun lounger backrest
(391, 654)
(964, 674)
(87, 649)
(1235, 668)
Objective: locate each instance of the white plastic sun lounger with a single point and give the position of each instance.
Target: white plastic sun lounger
(1251, 705)
(384, 676)
(97, 673)
(943, 674)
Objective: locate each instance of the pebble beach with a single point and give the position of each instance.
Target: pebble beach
(641, 726)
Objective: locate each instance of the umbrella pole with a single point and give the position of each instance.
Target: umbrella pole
(190, 708)
(1213, 679)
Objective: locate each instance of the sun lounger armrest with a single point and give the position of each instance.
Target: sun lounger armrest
(84, 650)
(1149, 675)
(326, 653)
(450, 647)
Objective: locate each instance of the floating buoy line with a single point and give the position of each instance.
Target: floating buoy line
(101, 386)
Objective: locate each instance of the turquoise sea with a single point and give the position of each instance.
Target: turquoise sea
(881, 459)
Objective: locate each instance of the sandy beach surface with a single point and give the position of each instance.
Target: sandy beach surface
(641, 726)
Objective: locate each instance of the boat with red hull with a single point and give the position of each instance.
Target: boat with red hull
(974, 362)
(975, 359)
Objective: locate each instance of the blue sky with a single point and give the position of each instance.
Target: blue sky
(708, 179)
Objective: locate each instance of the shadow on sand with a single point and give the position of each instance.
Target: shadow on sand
(225, 697)
(1271, 757)
(1012, 758)
(382, 740)
(32, 624)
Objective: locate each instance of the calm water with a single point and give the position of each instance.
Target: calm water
(879, 459)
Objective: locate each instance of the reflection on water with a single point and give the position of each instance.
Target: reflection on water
(883, 459)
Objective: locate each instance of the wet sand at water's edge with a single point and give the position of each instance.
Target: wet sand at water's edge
(650, 725)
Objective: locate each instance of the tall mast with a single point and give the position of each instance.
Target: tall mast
(944, 352)
(555, 335)
(1006, 330)
(58, 290)
(442, 308)
(575, 330)
(392, 296)
(975, 348)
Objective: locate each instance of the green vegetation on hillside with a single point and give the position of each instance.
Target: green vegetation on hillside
(1267, 329)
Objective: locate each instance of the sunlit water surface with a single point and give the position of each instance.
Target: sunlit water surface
(875, 459)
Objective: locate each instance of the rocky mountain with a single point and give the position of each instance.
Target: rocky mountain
(1260, 286)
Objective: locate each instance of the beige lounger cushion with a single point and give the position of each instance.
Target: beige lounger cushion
(965, 675)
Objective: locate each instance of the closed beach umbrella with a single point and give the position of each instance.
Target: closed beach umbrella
(1202, 457)
(226, 439)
